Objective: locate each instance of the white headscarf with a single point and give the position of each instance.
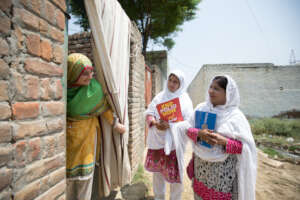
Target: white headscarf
(232, 123)
(165, 139)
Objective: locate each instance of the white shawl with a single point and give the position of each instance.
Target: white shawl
(232, 123)
(157, 139)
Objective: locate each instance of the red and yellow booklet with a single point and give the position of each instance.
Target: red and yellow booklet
(170, 111)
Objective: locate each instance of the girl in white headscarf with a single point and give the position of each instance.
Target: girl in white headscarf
(228, 169)
(165, 153)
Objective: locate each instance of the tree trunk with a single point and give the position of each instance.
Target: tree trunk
(145, 42)
(146, 35)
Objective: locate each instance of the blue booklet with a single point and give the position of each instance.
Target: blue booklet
(205, 120)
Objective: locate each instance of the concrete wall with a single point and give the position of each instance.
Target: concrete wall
(158, 80)
(158, 62)
(32, 108)
(265, 89)
(81, 43)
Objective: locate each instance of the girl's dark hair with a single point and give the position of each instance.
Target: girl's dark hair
(221, 81)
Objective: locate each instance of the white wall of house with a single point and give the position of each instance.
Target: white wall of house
(265, 89)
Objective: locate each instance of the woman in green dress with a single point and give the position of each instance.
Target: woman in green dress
(85, 103)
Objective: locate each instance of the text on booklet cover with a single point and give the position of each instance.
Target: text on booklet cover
(170, 110)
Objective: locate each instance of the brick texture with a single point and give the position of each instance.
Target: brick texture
(32, 91)
(5, 154)
(45, 89)
(53, 108)
(32, 136)
(3, 91)
(56, 35)
(27, 19)
(58, 54)
(29, 129)
(5, 177)
(5, 5)
(33, 43)
(4, 25)
(5, 111)
(25, 110)
(36, 6)
(4, 70)
(29, 191)
(46, 50)
(42, 68)
(5, 132)
(4, 48)
(60, 19)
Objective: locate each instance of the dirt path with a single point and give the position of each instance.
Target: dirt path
(277, 182)
(272, 182)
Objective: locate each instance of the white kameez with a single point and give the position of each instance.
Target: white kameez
(231, 123)
(168, 140)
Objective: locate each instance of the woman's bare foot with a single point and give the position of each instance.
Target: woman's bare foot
(120, 128)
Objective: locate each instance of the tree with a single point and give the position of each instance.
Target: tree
(157, 20)
(77, 9)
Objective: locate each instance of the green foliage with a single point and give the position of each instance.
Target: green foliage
(157, 20)
(294, 148)
(275, 126)
(77, 9)
(272, 152)
(169, 43)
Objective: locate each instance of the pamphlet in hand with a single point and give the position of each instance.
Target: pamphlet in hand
(205, 120)
(170, 111)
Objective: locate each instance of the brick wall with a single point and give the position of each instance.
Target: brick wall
(32, 111)
(136, 100)
(81, 43)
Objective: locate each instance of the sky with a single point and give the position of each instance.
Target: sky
(235, 31)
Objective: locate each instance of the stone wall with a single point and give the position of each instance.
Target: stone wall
(81, 43)
(32, 111)
(265, 89)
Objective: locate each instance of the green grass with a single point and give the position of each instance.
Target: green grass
(272, 152)
(139, 176)
(277, 127)
(271, 134)
(276, 140)
(294, 147)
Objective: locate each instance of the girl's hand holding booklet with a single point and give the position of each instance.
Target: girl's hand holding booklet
(205, 120)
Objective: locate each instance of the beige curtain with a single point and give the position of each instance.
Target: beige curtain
(111, 34)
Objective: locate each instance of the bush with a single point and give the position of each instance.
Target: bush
(275, 126)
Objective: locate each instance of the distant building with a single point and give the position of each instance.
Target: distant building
(266, 90)
(158, 62)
